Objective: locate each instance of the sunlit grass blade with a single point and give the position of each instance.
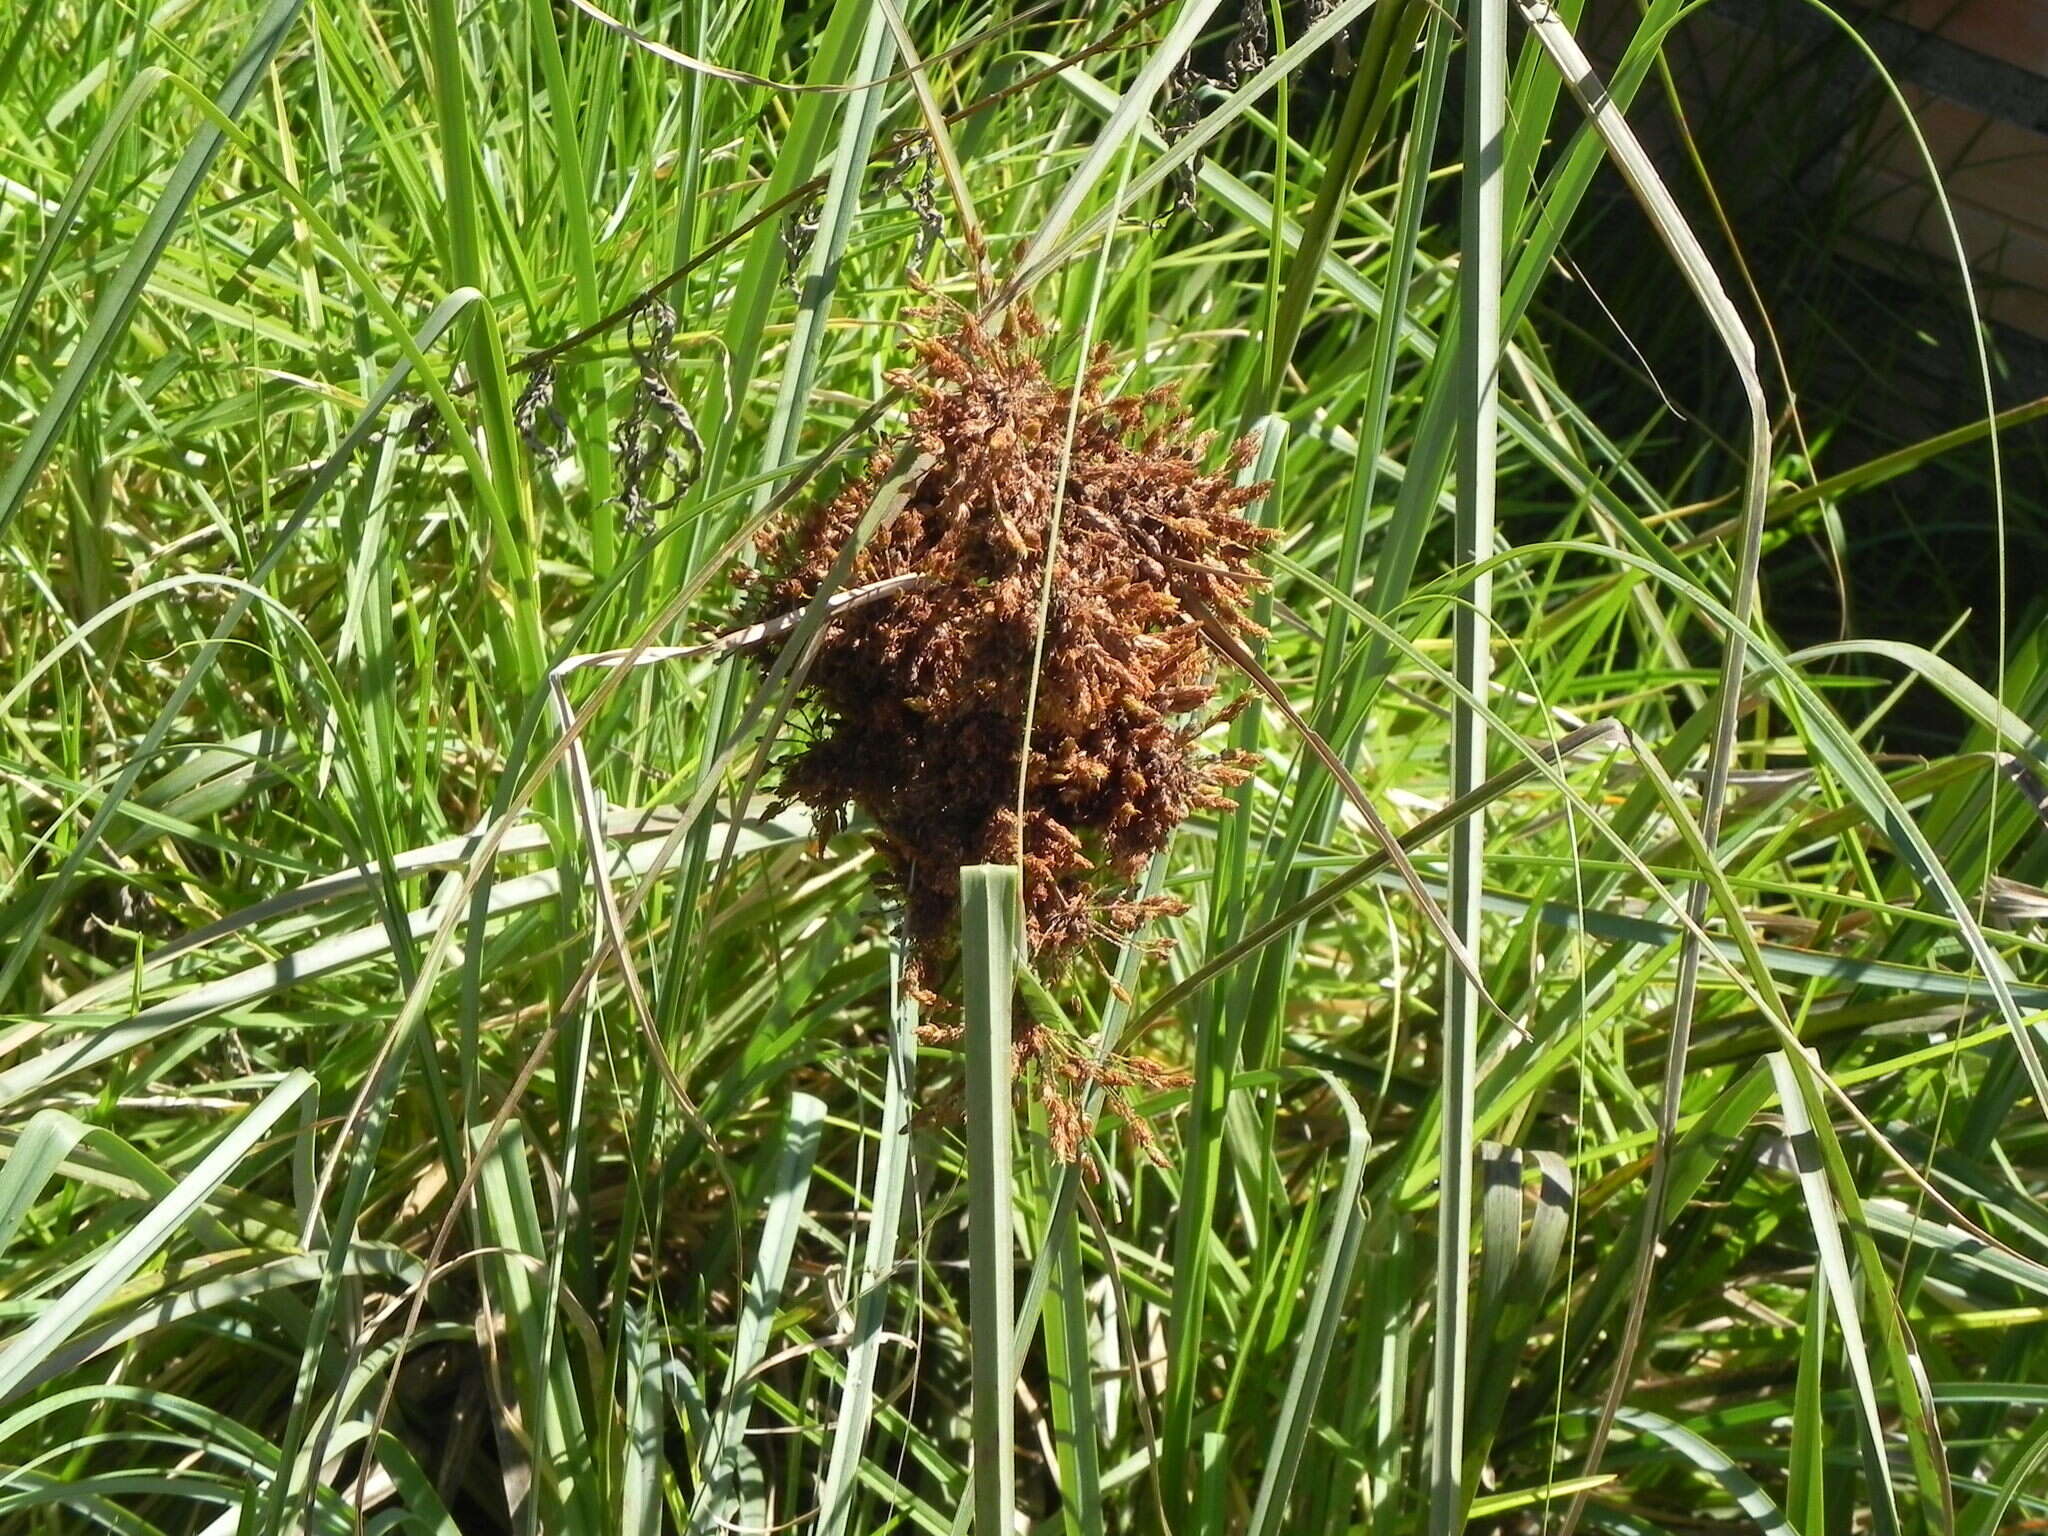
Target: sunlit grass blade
(1805, 1477)
(643, 1467)
(1842, 1293)
(1726, 321)
(990, 938)
(832, 59)
(585, 415)
(308, 964)
(126, 289)
(2021, 1469)
(1517, 1271)
(1479, 362)
(29, 1345)
(31, 927)
(65, 218)
(1124, 121)
(877, 1262)
(784, 1182)
(1320, 1326)
(42, 1146)
(1376, 79)
(1070, 1362)
(821, 266)
(1748, 1495)
(547, 1403)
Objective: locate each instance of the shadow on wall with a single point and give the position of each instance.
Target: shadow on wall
(1824, 187)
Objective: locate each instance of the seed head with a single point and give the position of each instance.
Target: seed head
(918, 702)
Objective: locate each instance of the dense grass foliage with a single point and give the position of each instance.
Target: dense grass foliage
(445, 1089)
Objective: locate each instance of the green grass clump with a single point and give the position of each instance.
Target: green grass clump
(442, 1089)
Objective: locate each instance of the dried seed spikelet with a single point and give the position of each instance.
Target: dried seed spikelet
(918, 702)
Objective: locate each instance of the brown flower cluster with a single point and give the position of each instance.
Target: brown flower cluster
(919, 701)
(1067, 1074)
